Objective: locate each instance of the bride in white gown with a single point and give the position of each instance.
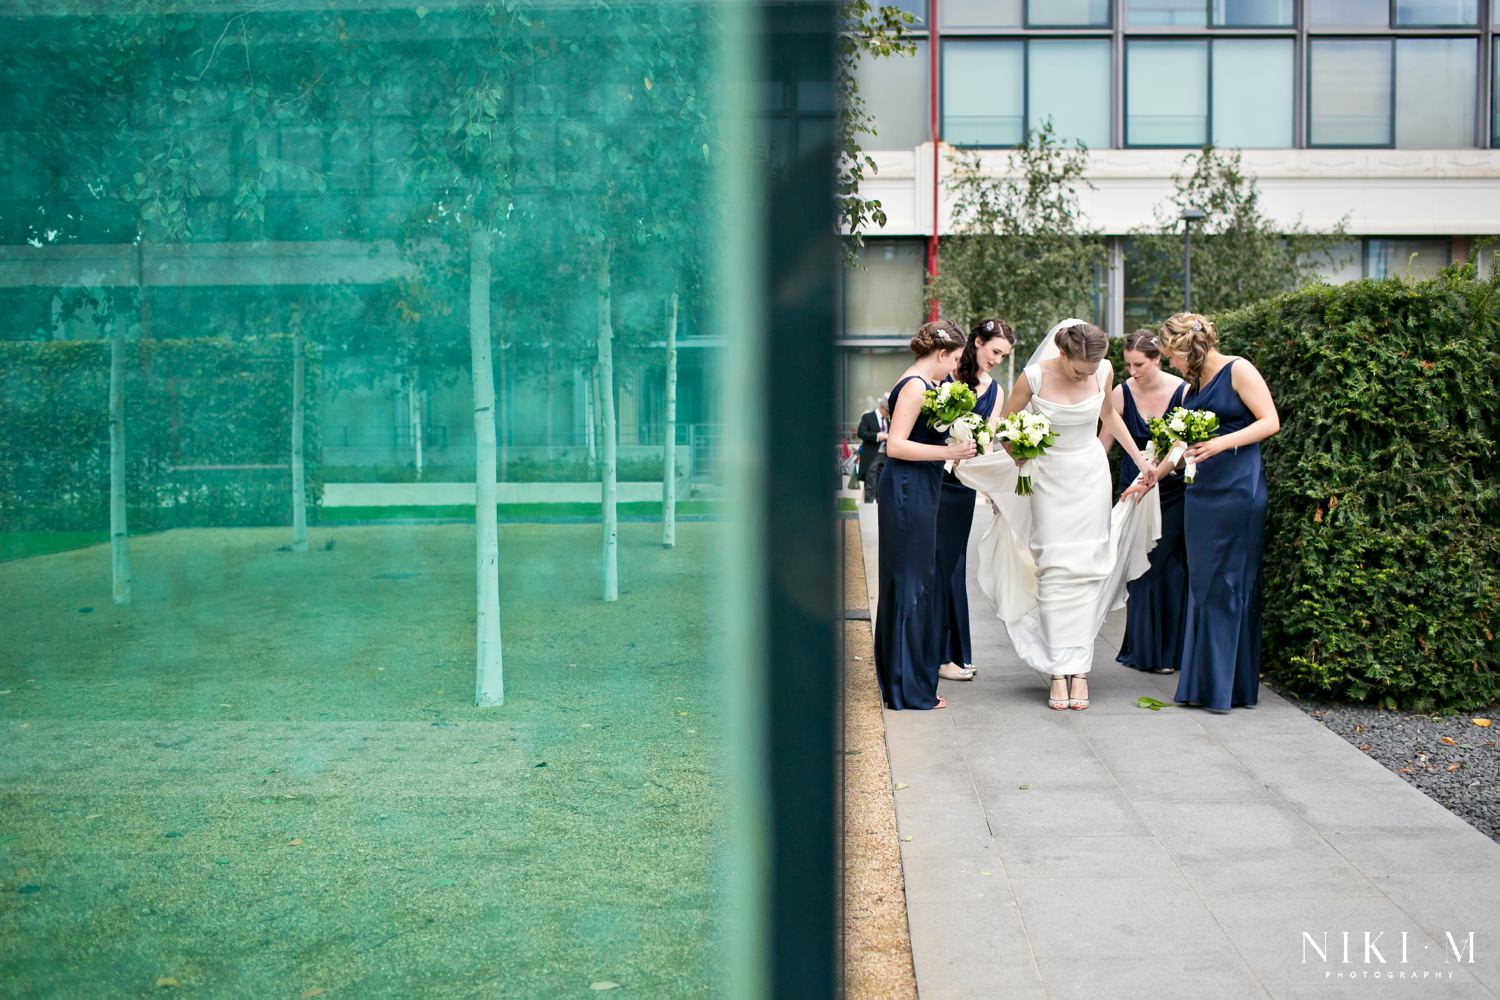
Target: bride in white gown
(1056, 562)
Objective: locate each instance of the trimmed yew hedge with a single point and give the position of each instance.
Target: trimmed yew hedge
(1382, 553)
(200, 402)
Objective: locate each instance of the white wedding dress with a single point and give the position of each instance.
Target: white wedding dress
(1056, 562)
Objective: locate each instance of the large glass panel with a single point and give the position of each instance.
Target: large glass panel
(1417, 258)
(338, 338)
(1139, 13)
(980, 13)
(1350, 93)
(1253, 13)
(1437, 12)
(984, 93)
(1068, 82)
(1166, 93)
(1495, 94)
(883, 295)
(1068, 13)
(1252, 93)
(895, 92)
(1435, 92)
(1348, 12)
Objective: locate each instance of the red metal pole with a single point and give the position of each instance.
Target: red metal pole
(932, 92)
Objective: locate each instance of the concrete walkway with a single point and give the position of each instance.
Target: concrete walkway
(1120, 852)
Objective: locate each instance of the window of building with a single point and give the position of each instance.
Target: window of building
(895, 92)
(1495, 94)
(883, 296)
(1339, 264)
(1067, 13)
(1437, 13)
(1188, 13)
(995, 91)
(1348, 12)
(1418, 258)
(1068, 82)
(1252, 93)
(1435, 88)
(1252, 13)
(980, 13)
(984, 93)
(1350, 93)
(1166, 93)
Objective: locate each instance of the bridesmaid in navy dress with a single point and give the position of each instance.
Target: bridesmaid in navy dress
(1156, 600)
(1224, 518)
(905, 637)
(989, 342)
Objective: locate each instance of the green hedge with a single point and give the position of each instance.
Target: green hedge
(188, 403)
(1383, 536)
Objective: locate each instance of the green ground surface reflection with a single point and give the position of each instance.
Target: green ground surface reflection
(265, 776)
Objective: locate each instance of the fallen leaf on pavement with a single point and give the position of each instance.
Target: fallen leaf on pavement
(1480, 722)
(165, 982)
(900, 785)
(1449, 740)
(1454, 767)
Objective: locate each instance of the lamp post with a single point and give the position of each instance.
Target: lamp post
(1189, 216)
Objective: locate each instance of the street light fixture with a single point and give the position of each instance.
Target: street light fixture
(1189, 216)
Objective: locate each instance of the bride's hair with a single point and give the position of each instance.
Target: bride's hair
(939, 335)
(1192, 335)
(1145, 342)
(1082, 342)
(982, 332)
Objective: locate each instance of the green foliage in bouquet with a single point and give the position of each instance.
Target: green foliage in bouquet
(1382, 555)
(947, 403)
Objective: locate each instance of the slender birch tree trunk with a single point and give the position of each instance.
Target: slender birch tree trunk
(589, 439)
(414, 416)
(489, 687)
(669, 449)
(610, 567)
(119, 542)
(299, 414)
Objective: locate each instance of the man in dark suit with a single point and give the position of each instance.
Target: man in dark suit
(873, 427)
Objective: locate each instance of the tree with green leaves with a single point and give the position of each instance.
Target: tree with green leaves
(1240, 255)
(869, 32)
(1021, 247)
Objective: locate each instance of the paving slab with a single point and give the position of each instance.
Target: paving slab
(1120, 852)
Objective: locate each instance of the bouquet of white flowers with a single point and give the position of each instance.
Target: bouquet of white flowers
(950, 407)
(1030, 435)
(1189, 427)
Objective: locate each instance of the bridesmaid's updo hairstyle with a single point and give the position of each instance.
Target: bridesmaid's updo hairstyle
(980, 333)
(1082, 342)
(1145, 342)
(939, 335)
(1192, 335)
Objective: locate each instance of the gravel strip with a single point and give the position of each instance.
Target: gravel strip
(1451, 759)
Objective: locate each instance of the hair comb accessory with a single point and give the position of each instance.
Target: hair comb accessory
(1196, 326)
(989, 326)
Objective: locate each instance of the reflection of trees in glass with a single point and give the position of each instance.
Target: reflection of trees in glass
(546, 167)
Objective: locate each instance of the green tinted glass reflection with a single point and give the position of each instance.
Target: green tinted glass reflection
(361, 506)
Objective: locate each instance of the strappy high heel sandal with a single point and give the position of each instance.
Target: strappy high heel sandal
(1053, 701)
(1078, 704)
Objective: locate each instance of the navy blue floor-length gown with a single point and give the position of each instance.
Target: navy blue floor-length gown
(1224, 519)
(905, 639)
(1156, 600)
(955, 518)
